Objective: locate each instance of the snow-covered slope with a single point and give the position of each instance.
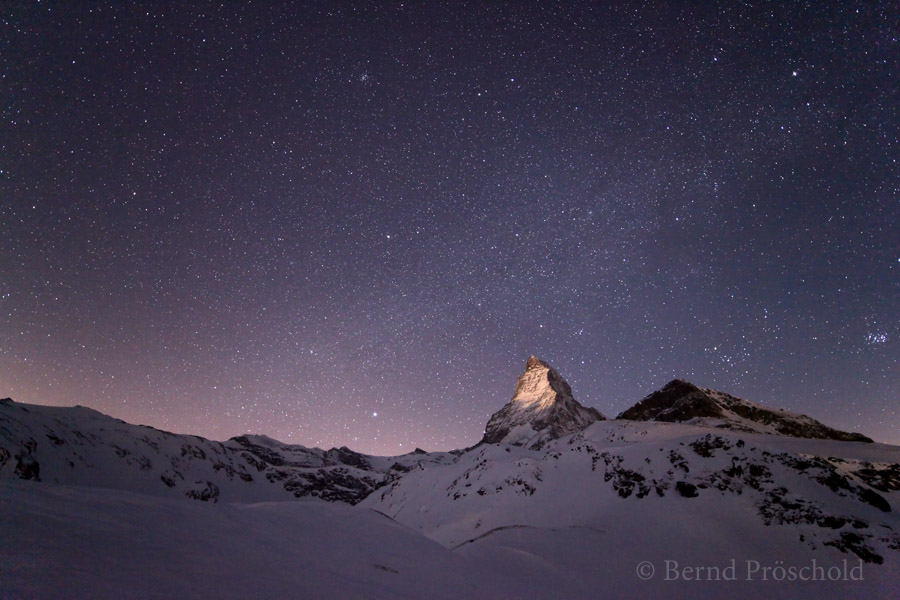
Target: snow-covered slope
(589, 507)
(683, 402)
(64, 542)
(541, 409)
(80, 446)
(502, 485)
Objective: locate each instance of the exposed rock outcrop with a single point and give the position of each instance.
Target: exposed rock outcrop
(683, 402)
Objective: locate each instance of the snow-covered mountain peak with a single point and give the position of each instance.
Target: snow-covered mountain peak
(683, 402)
(542, 408)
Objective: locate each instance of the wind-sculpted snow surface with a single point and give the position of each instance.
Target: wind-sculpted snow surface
(63, 542)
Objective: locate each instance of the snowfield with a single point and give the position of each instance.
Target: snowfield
(68, 542)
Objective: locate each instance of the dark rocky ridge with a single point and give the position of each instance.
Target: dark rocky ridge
(681, 401)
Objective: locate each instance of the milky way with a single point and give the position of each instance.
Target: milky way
(351, 223)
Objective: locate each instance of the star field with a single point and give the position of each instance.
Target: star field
(351, 223)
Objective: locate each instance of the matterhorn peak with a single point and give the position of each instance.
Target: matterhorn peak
(542, 408)
(535, 363)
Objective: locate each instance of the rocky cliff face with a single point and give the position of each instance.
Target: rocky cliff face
(681, 401)
(541, 409)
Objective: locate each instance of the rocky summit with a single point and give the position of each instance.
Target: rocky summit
(683, 402)
(541, 409)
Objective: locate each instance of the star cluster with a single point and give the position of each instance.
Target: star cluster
(350, 223)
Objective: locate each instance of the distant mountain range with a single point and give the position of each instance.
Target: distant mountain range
(555, 499)
(80, 446)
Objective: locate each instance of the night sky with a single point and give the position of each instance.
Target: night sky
(351, 223)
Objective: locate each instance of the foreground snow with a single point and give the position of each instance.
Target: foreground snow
(66, 542)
